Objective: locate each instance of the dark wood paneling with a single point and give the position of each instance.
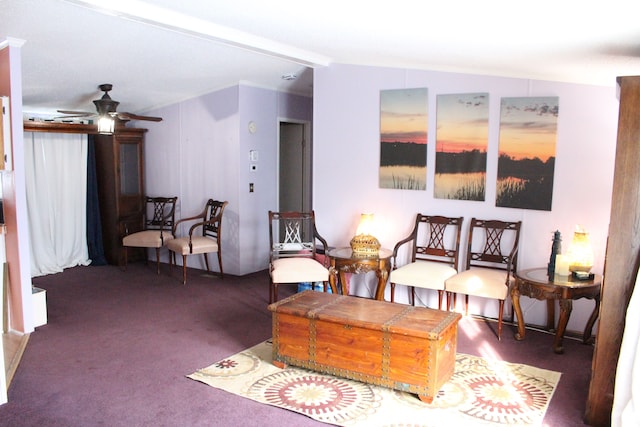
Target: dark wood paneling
(622, 252)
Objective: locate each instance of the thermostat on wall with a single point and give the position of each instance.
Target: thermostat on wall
(253, 127)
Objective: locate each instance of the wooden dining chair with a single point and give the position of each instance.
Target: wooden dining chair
(158, 218)
(204, 237)
(434, 244)
(491, 262)
(292, 257)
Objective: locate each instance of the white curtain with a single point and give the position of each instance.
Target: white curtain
(626, 396)
(56, 180)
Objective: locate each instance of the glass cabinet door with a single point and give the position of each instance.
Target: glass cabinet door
(130, 169)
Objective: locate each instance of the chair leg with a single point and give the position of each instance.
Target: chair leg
(158, 260)
(220, 264)
(270, 290)
(449, 301)
(184, 269)
(393, 291)
(500, 319)
(206, 262)
(275, 292)
(466, 305)
(413, 296)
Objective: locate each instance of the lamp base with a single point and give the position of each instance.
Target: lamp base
(365, 244)
(582, 275)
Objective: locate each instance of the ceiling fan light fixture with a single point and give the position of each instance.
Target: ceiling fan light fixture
(106, 125)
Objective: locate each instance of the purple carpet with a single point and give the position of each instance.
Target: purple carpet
(119, 344)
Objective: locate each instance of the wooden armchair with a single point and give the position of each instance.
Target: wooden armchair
(158, 219)
(435, 243)
(492, 255)
(292, 256)
(203, 238)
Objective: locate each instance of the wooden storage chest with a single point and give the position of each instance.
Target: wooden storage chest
(406, 348)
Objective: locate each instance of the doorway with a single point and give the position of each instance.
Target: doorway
(294, 166)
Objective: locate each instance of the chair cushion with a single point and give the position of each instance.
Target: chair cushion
(422, 274)
(480, 282)
(200, 244)
(297, 270)
(146, 239)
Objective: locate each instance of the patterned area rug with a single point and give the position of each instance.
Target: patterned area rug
(481, 392)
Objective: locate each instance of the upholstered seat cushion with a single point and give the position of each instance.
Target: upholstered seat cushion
(477, 281)
(295, 270)
(200, 245)
(423, 274)
(147, 239)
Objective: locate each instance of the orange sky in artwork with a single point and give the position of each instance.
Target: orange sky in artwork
(528, 127)
(463, 122)
(403, 115)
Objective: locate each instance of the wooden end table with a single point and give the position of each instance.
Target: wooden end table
(344, 260)
(535, 283)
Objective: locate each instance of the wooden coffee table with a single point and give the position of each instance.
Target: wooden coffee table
(398, 346)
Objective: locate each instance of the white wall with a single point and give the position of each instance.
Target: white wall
(347, 152)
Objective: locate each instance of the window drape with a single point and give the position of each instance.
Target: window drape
(94, 224)
(56, 181)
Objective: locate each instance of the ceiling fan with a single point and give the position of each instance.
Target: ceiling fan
(107, 106)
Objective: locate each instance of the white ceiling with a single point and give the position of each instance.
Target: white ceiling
(158, 52)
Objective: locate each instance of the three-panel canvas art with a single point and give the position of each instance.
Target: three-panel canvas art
(525, 157)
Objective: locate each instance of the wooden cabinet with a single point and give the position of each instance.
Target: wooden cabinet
(120, 176)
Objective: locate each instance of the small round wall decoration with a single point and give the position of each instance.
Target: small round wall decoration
(253, 127)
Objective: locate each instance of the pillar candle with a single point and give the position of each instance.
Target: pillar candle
(562, 265)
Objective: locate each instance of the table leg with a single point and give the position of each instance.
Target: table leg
(333, 277)
(566, 305)
(515, 299)
(383, 274)
(343, 283)
(586, 336)
(551, 314)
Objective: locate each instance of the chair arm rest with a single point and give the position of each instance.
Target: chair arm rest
(398, 245)
(325, 246)
(181, 220)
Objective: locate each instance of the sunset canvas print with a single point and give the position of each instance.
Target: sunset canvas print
(462, 136)
(403, 139)
(528, 130)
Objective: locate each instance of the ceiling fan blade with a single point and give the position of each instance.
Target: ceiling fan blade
(76, 113)
(130, 116)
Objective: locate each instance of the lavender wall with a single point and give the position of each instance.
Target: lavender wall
(201, 150)
(346, 158)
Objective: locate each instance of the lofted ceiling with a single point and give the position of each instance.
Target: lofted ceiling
(159, 52)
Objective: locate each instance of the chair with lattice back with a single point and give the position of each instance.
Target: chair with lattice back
(435, 243)
(158, 218)
(292, 258)
(492, 255)
(204, 237)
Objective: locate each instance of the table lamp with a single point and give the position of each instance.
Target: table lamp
(363, 243)
(580, 252)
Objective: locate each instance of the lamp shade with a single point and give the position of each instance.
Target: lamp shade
(580, 252)
(364, 242)
(106, 124)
